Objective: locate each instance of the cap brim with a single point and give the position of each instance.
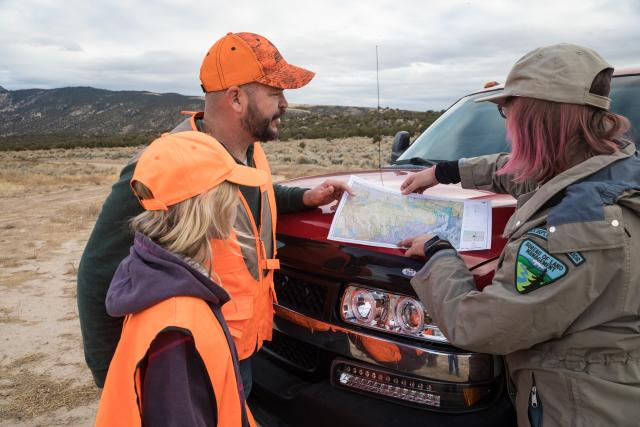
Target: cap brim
(498, 98)
(244, 175)
(287, 77)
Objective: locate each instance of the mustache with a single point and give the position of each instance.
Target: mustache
(279, 114)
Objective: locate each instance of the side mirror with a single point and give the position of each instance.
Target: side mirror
(400, 144)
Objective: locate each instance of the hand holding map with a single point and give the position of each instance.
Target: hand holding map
(383, 217)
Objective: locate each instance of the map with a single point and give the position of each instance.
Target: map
(379, 216)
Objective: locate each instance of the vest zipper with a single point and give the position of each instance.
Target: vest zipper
(535, 405)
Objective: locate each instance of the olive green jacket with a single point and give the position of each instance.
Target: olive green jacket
(564, 305)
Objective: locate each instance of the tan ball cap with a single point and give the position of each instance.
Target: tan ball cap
(560, 73)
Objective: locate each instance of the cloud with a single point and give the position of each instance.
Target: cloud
(430, 53)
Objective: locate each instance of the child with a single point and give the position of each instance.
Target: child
(176, 363)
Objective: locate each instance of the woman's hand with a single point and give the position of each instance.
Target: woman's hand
(415, 244)
(419, 181)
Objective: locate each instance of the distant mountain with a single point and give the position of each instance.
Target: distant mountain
(90, 111)
(86, 116)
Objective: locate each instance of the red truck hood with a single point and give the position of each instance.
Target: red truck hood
(314, 224)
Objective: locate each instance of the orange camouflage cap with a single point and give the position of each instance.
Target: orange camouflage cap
(241, 58)
(176, 167)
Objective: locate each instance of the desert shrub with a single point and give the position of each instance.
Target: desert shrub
(49, 141)
(304, 160)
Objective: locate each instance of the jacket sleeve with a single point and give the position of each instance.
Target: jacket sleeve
(176, 390)
(501, 319)
(108, 245)
(289, 199)
(480, 173)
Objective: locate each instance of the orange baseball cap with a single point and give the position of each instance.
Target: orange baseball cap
(240, 58)
(179, 166)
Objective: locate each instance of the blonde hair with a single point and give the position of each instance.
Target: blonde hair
(187, 227)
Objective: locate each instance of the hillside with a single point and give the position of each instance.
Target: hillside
(86, 116)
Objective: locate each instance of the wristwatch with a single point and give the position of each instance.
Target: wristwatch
(434, 245)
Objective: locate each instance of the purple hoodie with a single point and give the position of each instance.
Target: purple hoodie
(176, 389)
(151, 274)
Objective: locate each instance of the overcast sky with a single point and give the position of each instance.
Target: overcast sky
(430, 52)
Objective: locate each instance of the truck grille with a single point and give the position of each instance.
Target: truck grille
(299, 295)
(300, 354)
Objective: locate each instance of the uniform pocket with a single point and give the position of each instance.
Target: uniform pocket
(534, 409)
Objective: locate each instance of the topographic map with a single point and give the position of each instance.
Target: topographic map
(382, 217)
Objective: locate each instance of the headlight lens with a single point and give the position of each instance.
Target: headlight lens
(364, 305)
(410, 314)
(388, 312)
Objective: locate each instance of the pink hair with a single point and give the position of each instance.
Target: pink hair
(548, 138)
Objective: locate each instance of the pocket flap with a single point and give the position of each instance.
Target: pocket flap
(238, 308)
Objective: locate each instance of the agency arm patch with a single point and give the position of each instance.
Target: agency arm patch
(535, 267)
(540, 232)
(576, 258)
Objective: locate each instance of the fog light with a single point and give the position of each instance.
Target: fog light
(412, 391)
(472, 395)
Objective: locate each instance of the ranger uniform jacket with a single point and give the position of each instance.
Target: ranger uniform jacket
(564, 305)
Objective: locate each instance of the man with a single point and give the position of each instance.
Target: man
(244, 77)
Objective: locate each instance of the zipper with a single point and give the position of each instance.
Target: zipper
(535, 405)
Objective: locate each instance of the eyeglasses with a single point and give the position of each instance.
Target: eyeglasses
(502, 109)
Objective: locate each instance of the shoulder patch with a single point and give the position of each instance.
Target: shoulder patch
(540, 232)
(576, 258)
(535, 267)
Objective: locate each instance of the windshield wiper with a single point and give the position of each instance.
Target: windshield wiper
(416, 161)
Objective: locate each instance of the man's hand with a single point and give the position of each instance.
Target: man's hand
(419, 181)
(325, 193)
(415, 244)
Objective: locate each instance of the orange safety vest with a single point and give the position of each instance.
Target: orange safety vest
(121, 397)
(247, 277)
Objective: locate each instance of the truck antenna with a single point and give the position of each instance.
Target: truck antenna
(377, 78)
(378, 121)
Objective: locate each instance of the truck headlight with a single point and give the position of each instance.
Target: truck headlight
(367, 306)
(410, 315)
(385, 311)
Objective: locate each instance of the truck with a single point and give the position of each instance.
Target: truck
(331, 362)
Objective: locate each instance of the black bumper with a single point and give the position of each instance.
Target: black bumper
(281, 399)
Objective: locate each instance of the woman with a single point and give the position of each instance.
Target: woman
(176, 363)
(564, 305)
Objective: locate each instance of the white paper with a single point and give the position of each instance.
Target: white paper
(379, 216)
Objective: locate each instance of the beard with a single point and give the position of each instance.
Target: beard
(259, 126)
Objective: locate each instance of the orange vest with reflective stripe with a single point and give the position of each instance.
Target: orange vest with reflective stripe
(121, 397)
(246, 271)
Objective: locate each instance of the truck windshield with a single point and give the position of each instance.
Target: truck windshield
(470, 129)
(625, 100)
(467, 129)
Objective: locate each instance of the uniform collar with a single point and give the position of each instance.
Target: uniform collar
(561, 181)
